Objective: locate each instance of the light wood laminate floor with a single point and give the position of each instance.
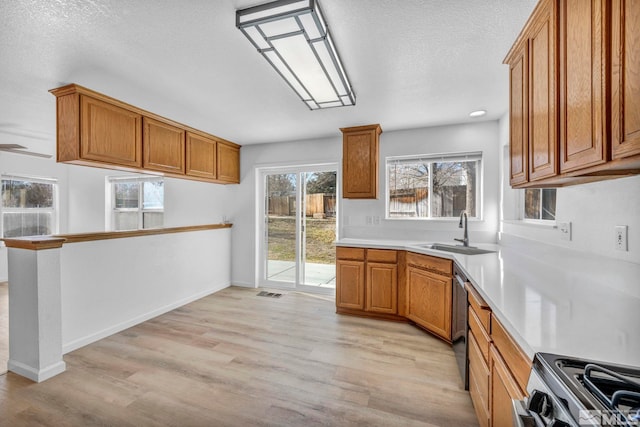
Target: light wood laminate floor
(236, 359)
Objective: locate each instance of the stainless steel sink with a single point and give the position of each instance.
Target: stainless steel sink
(459, 249)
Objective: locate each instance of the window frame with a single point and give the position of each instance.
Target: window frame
(539, 221)
(141, 210)
(55, 217)
(432, 158)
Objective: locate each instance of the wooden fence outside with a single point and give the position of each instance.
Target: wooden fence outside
(314, 204)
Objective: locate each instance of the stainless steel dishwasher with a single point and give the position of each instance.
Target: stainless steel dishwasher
(459, 325)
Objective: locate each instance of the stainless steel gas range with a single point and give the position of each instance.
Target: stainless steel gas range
(567, 391)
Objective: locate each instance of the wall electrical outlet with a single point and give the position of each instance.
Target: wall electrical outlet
(621, 238)
(565, 230)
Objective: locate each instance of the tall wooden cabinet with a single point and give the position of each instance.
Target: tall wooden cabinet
(519, 106)
(625, 79)
(360, 151)
(581, 119)
(96, 130)
(533, 98)
(582, 84)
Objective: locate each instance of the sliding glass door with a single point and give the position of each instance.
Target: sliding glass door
(298, 227)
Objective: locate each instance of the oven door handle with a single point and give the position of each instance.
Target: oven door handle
(522, 417)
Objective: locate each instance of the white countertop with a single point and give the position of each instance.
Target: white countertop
(552, 299)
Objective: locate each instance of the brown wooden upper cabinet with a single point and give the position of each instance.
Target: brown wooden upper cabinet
(360, 148)
(201, 156)
(573, 117)
(96, 130)
(532, 63)
(582, 84)
(228, 156)
(108, 133)
(625, 79)
(162, 146)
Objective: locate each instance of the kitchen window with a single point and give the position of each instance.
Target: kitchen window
(434, 186)
(29, 206)
(539, 204)
(136, 203)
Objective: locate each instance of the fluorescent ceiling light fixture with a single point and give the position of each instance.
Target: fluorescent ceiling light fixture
(293, 37)
(477, 113)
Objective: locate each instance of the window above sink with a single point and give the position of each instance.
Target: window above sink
(434, 186)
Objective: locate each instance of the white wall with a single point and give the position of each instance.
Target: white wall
(593, 209)
(110, 285)
(243, 250)
(482, 136)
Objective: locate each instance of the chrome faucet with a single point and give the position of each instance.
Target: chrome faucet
(465, 239)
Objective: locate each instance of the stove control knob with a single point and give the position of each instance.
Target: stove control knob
(540, 403)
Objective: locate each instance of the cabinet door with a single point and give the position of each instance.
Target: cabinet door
(350, 284)
(382, 288)
(625, 82)
(543, 141)
(478, 381)
(162, 146)
(360, 162)
(429, 301)
(228, 163)
(109, 133)
(201, 156)
(503, 389)
(519, 110)
(582, 84)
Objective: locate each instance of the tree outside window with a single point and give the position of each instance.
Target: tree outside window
(28, 206)
(434, 186)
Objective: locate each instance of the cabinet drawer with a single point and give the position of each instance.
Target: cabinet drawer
(480, 308)
(382, 255)
(478, 382)
(350, 253)
(442, 266)
(481, 336)
(518, 362)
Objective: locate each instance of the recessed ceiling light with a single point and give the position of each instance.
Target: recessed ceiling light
(477, 113)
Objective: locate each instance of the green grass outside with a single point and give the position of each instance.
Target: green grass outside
(320, 237)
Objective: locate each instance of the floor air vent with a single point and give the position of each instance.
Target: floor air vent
(269, 294)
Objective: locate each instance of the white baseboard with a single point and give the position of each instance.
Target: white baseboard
(35, 374)
(81, 342)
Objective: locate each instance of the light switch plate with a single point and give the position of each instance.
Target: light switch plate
(621, 238)
(565, 230)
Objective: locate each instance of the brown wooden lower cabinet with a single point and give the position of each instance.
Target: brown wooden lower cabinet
(429, 301)
(382, 288)
(367, 282)
(350, 284)
(479, 377)
(503, 389)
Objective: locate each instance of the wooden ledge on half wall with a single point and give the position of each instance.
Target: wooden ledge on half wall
(50, 242)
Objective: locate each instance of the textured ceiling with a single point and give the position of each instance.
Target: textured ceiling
(412, 63)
